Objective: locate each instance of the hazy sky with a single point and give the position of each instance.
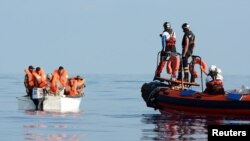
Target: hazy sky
(119, 36)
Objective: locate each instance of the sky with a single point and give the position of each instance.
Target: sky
(119, 36)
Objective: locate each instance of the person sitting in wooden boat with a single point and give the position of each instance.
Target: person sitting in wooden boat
(40, 78)
(71, 87)
(75, 86)
(81, 84)
(214, 81)
(29, 80)
(59, 80)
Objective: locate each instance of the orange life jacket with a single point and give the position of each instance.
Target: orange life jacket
(173, 65)
(40, 78)
(215, 87)
(30, 79)
(61, 77)
(71, 88)
(171, 41)
(200, 62)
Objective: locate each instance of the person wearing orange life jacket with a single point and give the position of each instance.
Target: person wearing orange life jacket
(71, 88)
(75, 86)
(188, 44)
(59, 80)
(29, 80)
(214, 81)
(40, 78)
(168, 38)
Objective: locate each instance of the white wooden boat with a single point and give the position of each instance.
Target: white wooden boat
(59, 103)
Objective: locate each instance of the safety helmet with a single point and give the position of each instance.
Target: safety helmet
(185, 26)
(167, 25)
(212, 68)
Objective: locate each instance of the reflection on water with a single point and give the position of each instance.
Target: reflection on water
(58, 129)
(174, 127)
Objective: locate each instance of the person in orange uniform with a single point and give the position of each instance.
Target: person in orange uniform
(59, 80)
(29, 80)
(40, 78)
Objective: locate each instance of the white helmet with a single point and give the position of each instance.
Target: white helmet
(212, 68)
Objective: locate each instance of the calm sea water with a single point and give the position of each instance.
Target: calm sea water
(112, 110)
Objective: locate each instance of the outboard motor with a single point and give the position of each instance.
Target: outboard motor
(38, 98)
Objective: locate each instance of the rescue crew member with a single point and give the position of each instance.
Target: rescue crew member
(168, 38)
(188, 44)
(40, 78)
(214, 81)
(59, 80)
(29, 80)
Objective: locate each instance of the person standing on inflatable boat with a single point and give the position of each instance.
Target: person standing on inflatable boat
(188, 44)
(168, 38)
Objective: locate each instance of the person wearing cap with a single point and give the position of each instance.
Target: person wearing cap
(81, 84)
(214, 81)
(188, 44)
(59, 80)
(39, 78)
(168, 39)
(29, 80)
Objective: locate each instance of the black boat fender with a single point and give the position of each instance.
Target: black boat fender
(149, 92)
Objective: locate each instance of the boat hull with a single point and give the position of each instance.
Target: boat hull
(52, 103)
(166, 99)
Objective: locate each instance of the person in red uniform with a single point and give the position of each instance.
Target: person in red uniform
(168, 38)
(214, 81)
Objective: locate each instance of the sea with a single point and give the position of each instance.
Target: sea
(111, 110)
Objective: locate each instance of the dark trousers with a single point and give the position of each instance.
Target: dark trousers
(184, 67)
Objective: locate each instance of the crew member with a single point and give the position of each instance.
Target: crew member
(168, 45)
